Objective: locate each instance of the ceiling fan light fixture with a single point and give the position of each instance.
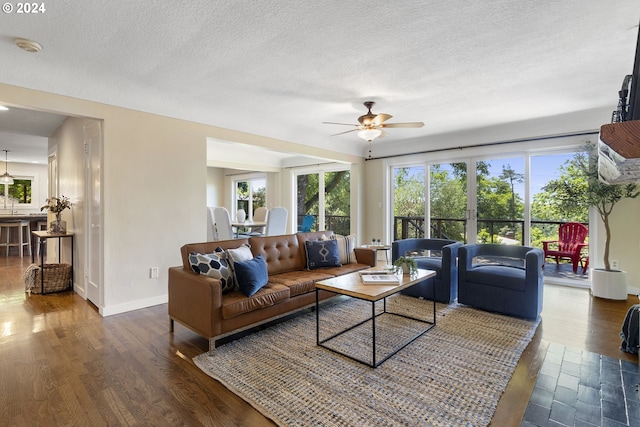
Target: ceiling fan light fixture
(6, 178)
(369, 134)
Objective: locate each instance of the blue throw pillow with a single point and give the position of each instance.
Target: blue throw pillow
(322, 253)
(251, 275)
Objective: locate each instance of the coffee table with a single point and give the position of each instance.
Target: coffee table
(351, 285)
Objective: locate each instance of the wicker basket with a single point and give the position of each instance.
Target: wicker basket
(57, 277)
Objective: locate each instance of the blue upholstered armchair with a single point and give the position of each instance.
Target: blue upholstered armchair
(501, 278)
(439, 255)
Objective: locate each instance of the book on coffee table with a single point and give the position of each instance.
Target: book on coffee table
(379, 278)
(376, 272)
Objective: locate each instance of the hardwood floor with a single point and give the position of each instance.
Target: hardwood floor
(63, 364)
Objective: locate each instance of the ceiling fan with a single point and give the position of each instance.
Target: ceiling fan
(371, 126)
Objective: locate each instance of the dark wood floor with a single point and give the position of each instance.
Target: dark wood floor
(63, 364)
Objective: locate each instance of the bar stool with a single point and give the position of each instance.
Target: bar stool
(40, 226)
(22, 236)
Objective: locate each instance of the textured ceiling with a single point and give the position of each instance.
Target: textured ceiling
(280, 68)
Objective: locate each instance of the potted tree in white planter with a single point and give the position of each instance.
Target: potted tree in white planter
(605, 282)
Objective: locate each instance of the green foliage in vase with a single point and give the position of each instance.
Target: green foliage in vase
(57, 204)
(409, 262)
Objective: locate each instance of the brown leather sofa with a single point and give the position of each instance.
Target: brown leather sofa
(197, 302)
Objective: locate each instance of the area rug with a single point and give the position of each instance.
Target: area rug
(453, 375)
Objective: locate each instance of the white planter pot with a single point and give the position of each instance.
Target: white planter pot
(608, 284)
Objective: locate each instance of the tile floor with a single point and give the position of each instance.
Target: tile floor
(579, 388)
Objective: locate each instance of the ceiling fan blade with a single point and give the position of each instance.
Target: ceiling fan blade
(334, 123)
(380, 118)
(403, 125)
(347, 131)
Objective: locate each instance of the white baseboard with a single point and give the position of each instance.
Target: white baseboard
(133, 305)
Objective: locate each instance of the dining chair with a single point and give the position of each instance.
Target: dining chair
(276, 222)
(259, 215)
(241, 215)
(223, 223)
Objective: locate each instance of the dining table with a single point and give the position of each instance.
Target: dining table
(247, 225)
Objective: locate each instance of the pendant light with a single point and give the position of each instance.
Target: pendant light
(369, 134)
(6, 178)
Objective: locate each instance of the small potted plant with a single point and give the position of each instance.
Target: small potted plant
(405, 264)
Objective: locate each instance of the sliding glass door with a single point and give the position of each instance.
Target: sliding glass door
(500, 200)
(448, 212)
(327, 196)
(408, 202)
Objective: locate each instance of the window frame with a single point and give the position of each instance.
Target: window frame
(4, 189)
(249, 178)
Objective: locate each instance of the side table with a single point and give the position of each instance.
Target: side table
(377, 248)
(41, 236)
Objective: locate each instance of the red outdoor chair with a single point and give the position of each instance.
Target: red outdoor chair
(571, 237)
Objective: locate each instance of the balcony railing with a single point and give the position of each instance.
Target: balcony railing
(406, 227)
(340, 224)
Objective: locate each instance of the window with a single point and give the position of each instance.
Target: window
(327, 196)
(19, 193)
(250, 194)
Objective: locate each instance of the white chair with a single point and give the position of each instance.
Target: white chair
(223, 224)
(276, 222)
(259, 215)
(211, 225)
(241, 215)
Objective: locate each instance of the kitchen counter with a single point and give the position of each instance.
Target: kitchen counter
(23, 217)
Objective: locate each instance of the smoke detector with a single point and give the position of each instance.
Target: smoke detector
(28, 45)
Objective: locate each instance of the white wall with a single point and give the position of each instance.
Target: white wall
(625, 241)
(147, 217)
(215, 186)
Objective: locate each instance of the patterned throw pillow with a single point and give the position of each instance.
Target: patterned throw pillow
(346, 245)
(213, 265)
(322, 253)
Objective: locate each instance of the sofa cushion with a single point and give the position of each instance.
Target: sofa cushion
(346, 245)
(300, 282)
(282, 253)
(502, 276)
(213, 265)
(322, 253)
(242, 253)
(235, 303)
(251, 275)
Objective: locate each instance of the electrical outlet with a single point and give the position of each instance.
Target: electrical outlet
(615, 264)
(153, 273)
